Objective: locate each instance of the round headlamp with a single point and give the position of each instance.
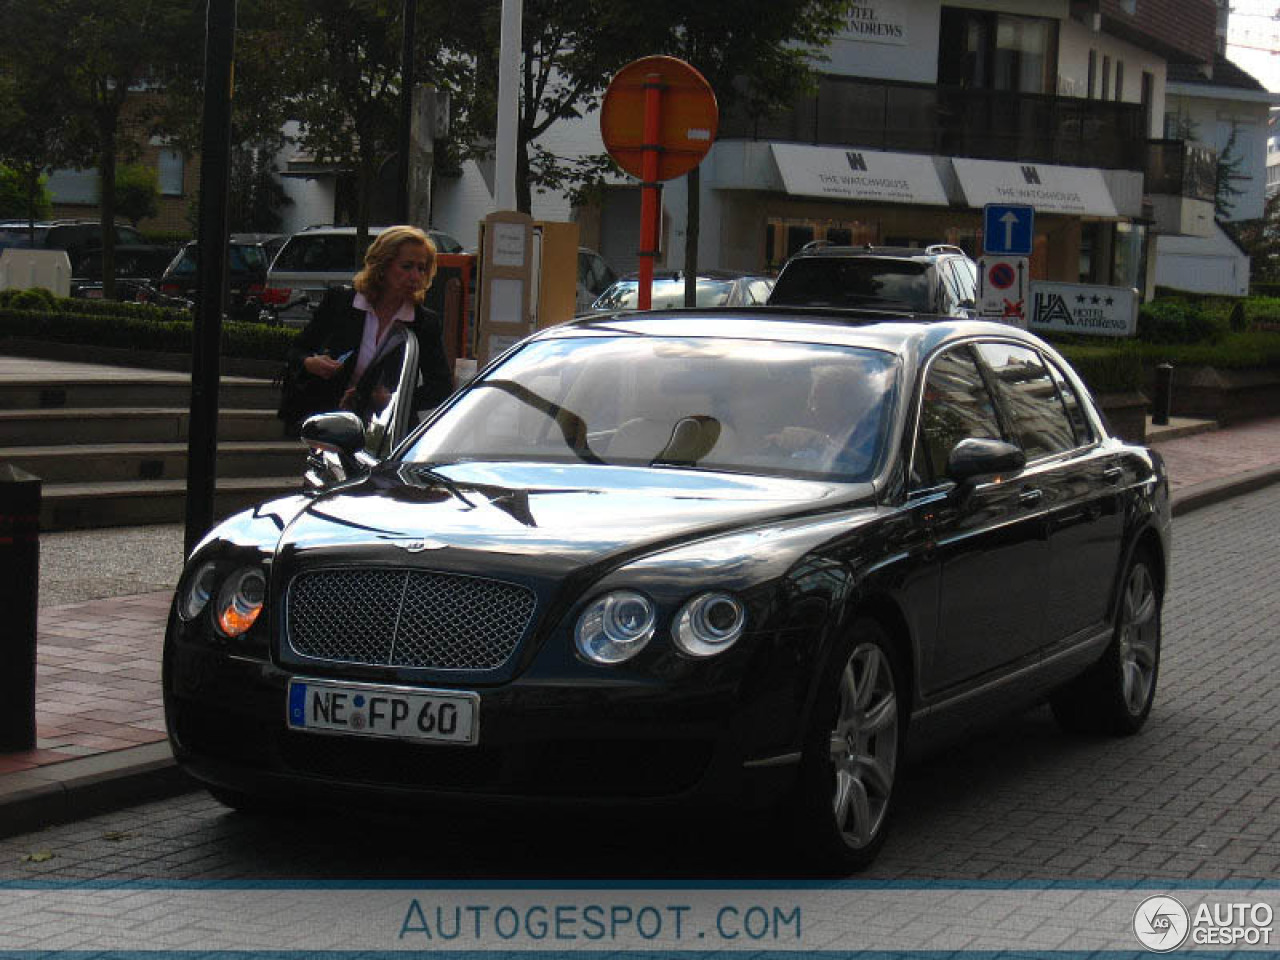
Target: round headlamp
(708, 624)
(615, 627)
(240, 601)
(199, 591)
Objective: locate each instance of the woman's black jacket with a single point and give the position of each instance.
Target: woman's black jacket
(337, 329)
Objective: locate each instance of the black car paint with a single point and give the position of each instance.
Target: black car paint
(806, 557)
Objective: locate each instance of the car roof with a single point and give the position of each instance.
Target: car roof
(928, 253)
(713, 273)
(896, 332)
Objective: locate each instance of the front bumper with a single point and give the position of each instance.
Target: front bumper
(543, 738)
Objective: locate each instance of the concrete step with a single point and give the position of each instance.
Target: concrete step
(116, 462)
(73, 506)
(164, 390)
(41, 428)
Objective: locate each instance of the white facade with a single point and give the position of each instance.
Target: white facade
(1209, 265)
(1212, 113)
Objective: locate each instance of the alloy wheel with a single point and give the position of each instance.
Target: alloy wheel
(1139, 639)
(864, 745)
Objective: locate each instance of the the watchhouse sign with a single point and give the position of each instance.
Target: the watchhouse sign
(1083, 308)
(876, 21)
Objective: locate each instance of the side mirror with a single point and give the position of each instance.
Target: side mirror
(971, 458)
(341, 433)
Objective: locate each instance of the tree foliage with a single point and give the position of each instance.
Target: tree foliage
(137, 192)
(759, 59)
(1261, 240)
(97, 56)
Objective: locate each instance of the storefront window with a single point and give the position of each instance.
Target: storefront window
(1130, 242)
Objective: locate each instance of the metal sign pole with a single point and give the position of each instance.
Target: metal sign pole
(211, 251)
(650, 188)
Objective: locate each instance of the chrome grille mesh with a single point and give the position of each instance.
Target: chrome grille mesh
(407, 618)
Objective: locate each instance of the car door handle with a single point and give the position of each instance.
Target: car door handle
(1029, 498)
(1113, 474)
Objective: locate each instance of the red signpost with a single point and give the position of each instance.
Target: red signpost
(658, 120)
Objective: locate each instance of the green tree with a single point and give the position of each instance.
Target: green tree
(1230, 163)
(39, 126)
(137, 192)
(1261, 240)
(17, 199)
(109, 54)
(762, 57)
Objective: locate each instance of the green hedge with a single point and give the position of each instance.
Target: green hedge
(135, 326)
(1106, 368)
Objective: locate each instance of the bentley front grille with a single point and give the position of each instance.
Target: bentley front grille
(406, 618)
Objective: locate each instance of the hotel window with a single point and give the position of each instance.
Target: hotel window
(998, 51)
(1093, 74)
(1106, 78)
(1119, 79)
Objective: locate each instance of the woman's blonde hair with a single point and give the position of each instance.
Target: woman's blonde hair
(371, 280)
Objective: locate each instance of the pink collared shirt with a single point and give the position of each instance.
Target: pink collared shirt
(370, 341)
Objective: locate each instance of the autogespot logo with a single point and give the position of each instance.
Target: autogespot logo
(1161, 923)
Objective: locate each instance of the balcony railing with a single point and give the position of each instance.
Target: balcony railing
(955, 122)
(1182, 168)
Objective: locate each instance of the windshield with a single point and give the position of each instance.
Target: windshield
(853, 282)
(667, 294)
(744, 406)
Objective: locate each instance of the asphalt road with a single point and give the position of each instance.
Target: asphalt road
(1195, 797)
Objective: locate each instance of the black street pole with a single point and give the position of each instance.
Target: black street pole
(406, 110)
(211, 251)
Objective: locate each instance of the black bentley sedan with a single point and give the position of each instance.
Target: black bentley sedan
(745, 557)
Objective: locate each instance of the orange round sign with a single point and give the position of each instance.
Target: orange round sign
(688, 116)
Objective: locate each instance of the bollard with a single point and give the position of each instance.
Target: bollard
(1164, 395)
(19, 586)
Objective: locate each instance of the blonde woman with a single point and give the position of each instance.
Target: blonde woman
(345, 358)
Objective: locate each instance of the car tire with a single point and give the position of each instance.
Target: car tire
(852, 755)
(1115, 695)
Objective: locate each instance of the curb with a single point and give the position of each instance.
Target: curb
(74, 789)
(1215, 491)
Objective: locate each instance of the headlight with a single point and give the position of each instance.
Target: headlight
(198, 592)
(708, 624)
(240, 601)
(615, 627)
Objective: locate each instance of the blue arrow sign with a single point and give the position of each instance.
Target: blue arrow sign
(1008, 229)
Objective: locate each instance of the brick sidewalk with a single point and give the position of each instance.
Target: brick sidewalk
(1217, 454)
(97, 679)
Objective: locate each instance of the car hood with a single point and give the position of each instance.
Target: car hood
(542, 521)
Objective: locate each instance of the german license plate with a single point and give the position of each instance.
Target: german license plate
(369, 710)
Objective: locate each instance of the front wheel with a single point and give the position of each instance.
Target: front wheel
(1116, 693)
(853, 751)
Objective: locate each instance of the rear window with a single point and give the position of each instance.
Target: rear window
(666, 294)
(241, 259)
(853, 282)
(318, 254)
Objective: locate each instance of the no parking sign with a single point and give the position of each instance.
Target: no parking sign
(1002, 289)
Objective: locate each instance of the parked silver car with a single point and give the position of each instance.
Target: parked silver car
(316, 259)
(715, 288)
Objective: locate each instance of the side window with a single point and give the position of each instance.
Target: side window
(1030, 397)
(128, 235)
(955, 406)
(951, 300)
(1080, 425)
(967, 278)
